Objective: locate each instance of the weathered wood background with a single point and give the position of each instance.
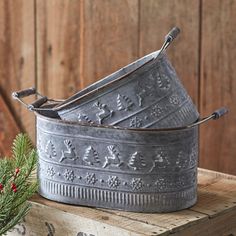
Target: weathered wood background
(60, 46)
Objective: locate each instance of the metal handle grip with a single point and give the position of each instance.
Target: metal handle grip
(172, 34)
(39, 102)
(168, 39)
(219, 112)
(24, 93)
(18, 95)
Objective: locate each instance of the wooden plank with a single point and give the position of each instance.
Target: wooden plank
(216, 205)
(17, 64)
(156, 19)
(216, 193)
(110, 37)
(81, 41)
(71, 220)
(218, 84)
(8, 129)
(224, 225)
(214, 174)
(174, 221)
(216, 196)
(58, 47)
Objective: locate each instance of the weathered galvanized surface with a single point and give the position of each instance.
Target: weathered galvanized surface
(148, 96)
(133, 170)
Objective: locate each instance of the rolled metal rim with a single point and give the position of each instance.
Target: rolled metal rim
(116, 127)
(215, 115)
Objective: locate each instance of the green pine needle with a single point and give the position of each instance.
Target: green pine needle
(17, 182)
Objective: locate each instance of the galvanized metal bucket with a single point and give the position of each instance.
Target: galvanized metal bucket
(141, 170)
(144, 94)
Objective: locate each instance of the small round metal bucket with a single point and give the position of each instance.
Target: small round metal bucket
(141, 170)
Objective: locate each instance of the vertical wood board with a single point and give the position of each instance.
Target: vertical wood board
(156, 19)
(110, 37)
(17, 56)
(218, 84)
(58, 47)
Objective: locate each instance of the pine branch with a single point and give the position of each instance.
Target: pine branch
(15, 220)
(17, 184)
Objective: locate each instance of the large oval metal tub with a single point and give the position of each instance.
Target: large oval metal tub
(141, 170)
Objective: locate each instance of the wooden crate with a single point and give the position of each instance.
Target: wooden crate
(214, 214)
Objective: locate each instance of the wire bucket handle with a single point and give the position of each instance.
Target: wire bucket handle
(214, 116)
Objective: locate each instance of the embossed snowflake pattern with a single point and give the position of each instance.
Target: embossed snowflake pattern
(161, 184)
(137, 183)
(113, 182)
(91, 178)
(174, 99)
(69, 175)
(156, 111)
(193, 157)
(182, 160)
(135, 122)
(181, 182)
(51, 172)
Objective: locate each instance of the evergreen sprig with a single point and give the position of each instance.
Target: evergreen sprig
(17, 182)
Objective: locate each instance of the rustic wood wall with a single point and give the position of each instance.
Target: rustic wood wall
(60, 46)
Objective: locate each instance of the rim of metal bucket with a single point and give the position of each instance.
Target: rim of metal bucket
(214, 116)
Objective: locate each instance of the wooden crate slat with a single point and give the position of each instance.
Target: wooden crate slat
(174, 221)
(223, 225)
(217, 193)
(209, 216)
(69, 220)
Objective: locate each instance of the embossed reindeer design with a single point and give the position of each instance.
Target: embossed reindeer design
(160, 160)
(69, 153)
(114, 158)
(104, 113)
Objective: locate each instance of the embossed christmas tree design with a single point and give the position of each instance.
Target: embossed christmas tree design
(113, 158)
(124, 103)
(91, 156)
(50, 149)
(137, 161)
(69, 153)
